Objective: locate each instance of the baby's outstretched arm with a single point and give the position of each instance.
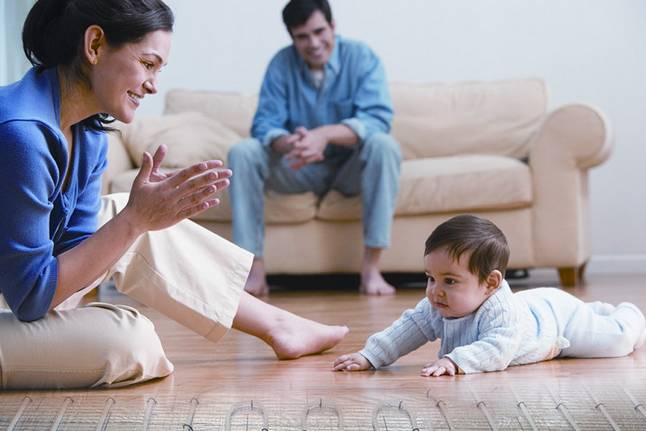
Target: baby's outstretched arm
(439, 368)
(351, 362)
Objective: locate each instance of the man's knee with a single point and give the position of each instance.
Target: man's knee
(247, 151)
(383, 146)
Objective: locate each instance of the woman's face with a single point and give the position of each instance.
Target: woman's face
(122, 76)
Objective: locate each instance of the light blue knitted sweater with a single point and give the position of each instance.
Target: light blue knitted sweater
(507, 329)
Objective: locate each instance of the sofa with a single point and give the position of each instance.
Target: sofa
(493, 149)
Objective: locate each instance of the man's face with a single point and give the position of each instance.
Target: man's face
(314, 40)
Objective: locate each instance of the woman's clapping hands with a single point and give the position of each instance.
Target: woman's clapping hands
(161, 199)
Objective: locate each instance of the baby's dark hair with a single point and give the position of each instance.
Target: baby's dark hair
(470, 234)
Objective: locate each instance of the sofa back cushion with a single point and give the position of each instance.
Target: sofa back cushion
(191, 137)
(496, 118)
(431, 120)
(234, 110)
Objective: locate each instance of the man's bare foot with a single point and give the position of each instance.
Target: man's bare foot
(257, 280)
(373, 283)
(293, 336)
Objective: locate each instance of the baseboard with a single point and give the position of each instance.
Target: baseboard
(617, 264)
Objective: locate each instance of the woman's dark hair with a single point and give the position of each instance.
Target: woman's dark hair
(297, 12)
(470, 234)
(54, 30)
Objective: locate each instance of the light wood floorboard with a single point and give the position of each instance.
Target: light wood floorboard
(240, 370)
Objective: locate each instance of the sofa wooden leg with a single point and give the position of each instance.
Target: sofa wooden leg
(572, 276)
(582, 272)
(92, 295)
(568, 276)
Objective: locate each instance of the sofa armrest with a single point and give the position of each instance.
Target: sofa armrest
(578, 134)
(571, 139)
(118, 160)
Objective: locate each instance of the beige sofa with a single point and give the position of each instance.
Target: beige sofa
(492, 149)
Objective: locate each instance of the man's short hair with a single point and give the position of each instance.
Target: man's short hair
(297, 12)
(470, 234)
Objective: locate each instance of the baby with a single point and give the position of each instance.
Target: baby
(482, 324)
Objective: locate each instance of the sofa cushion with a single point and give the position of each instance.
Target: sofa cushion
(235, 110)
(447, 184)
(436, 120)
(191, 137)
(279, 208)
(431, 120)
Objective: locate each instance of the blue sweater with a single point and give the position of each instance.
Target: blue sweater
(39, 219)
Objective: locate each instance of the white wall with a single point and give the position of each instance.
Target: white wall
(3, 46)
(12, 60)
(586, 50)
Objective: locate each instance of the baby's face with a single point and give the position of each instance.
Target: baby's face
(451, 289)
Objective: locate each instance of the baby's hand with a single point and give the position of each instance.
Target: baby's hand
(352, 362)
(439, 368)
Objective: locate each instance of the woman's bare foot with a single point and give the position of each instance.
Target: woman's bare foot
(295, 336)
(257, 280)
(290, 336)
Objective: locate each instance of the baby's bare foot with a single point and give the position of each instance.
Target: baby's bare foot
(296, 336)
(640, 341)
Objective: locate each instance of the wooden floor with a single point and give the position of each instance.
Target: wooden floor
(237, 384)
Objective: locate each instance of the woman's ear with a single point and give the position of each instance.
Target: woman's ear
(493, 281)
(93, 41)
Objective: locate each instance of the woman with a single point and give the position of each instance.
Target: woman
(93, 60)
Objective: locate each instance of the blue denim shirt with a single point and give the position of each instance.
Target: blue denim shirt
(354, 92)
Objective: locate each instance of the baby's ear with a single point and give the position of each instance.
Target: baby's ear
(493, 281)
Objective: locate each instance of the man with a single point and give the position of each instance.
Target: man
(322, 121)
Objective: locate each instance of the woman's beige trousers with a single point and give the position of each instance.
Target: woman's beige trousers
(186, 272)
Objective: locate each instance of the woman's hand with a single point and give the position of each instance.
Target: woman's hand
(159, 200)
(351, 362)
(156, 175)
